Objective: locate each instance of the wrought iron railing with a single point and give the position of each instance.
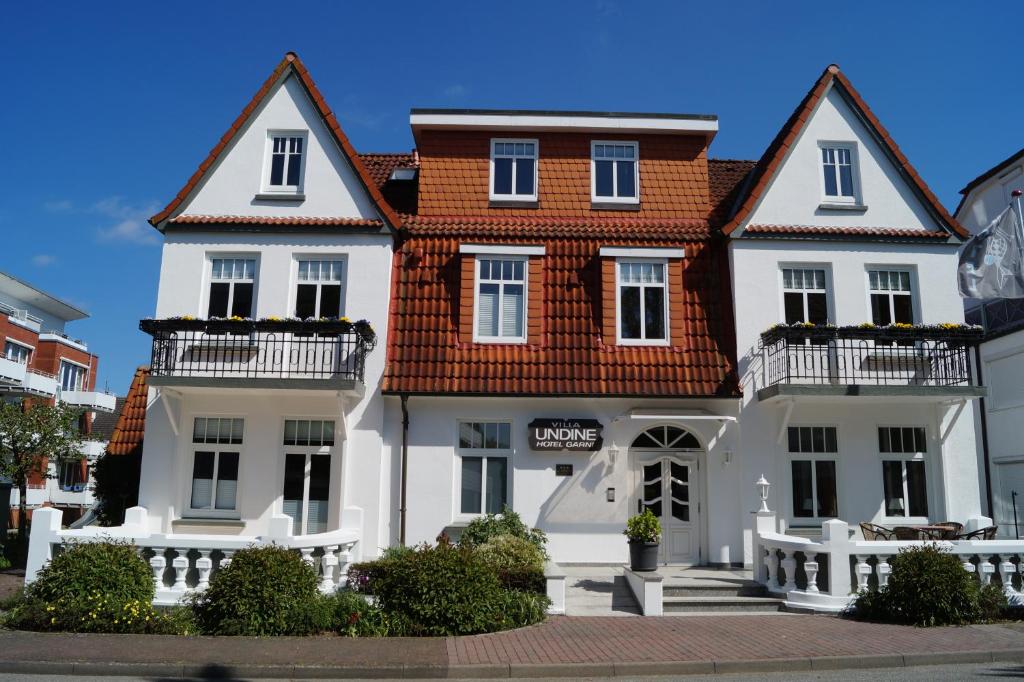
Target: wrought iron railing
(868, 357)
(999, 315)
(248, 349)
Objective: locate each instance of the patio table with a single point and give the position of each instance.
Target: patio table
(928, 532)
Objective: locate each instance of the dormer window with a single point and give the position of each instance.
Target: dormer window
(614, 173)
(839, 172)
(286, 154)
(513, 170)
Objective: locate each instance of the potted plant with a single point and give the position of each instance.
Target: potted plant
(644, 534)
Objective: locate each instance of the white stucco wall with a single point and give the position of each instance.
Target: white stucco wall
(989, 199)
(797, 190)
(331, 187)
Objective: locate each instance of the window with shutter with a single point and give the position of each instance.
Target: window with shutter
(500, 306)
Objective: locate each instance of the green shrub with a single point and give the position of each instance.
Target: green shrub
(448, 590)
(5, 563)
(509, 552)
(266, 590)
(96, 613)
(362, 576)
(523, 579)
(484, 528)
(83, 569)
(353, 616)
(992, 603)
(928, 586)
(644, 527)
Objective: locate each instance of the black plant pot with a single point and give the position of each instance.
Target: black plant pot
(643, 556)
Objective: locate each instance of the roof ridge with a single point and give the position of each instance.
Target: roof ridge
(290, 61)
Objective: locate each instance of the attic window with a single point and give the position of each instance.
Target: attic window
(286, 154)
(614, 173)
(513, 170)
(839, 172)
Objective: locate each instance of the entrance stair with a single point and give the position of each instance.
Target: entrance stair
(703, 591)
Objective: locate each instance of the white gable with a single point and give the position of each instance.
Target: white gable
(232, 185)
(796, 193)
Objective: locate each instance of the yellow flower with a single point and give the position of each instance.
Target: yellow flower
(53, 620)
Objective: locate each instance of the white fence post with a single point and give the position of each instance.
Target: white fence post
(45, 533)
(835, 534)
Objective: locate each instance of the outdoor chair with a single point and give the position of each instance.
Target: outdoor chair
(988, 533)
(872, 532)
(908, 533)
(955, 529)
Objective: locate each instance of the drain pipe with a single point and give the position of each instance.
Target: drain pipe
(984, 438)
(405, 468)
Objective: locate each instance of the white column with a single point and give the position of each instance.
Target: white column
(811, 569)
(884, 570)
(1006, 570)
(987, 568)
(771, 561)
(307, 555)
(180, 564)
(789, 566)
(228, 553)
(44, 535)
(328, 564)
(863, 572)
(158, 562)
(205, 566)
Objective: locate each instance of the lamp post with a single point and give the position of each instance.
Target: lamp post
(763, 486)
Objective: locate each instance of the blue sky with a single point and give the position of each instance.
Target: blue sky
(111, 106)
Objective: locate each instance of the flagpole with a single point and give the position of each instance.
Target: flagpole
(1020, 219)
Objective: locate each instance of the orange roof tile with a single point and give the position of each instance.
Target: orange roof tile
(901, 232)
(271, 220)
(291, 62)
(769, 163)
(131, 424)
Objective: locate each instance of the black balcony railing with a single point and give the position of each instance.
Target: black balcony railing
(868, 357)
(998, 316)
(280, 350)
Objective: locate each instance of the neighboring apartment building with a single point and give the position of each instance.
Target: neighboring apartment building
(1001, 355)
(40, 362)
(569, 309)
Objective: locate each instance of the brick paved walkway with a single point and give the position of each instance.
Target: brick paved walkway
(703, 638)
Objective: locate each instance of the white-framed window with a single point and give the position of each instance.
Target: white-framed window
(904, 480)
(614, 172)
(839, 172)
(306, 494)
(17, 352)
(285, 161)
(485, 448)
(69, 475)
(641, 288)
(500, 308)
(892, 296)
(318, 289)
(805, 295)
(813, 455)
(215, 467)
(72, 376)
(232, 284)
(514, 170)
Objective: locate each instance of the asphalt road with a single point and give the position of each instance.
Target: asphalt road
(938, 673)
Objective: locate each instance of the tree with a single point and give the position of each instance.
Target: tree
(117, 485)
(31, 435)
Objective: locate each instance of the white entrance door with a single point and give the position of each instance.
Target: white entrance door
(670, 490)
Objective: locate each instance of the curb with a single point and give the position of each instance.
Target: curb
(512, 670)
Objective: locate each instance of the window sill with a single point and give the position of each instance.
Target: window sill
(833, 206)
(512, 203)
(614, 205)
(201, 517)
(281, 196)
(499, 341)
(630, 343)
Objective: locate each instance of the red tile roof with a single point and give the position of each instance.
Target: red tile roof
(850, 231)
(725, 181)
(131, 424)
(380, 165)
(271, 220)
(770, 162)
(292, 63)
(572, 357)
(532, 227)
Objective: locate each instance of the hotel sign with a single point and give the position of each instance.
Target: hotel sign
(580, 435)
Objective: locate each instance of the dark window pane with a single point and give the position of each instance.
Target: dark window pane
(655, 508)
(203, 465)
(880, 309)
(330, 300)
(294, 166)
(680, 491)
(305, 301)
(794, 302)
(818, 439)
(846, 180)
(817, 308)
(497, 484)
(803, 493)
(830, 180)
(627, 178)
(472, 484)
(652, 491)
(603, 178)
(629, 312)
(294, 473)
(916, 489)
(319, 477)
(277, 169)
(831, 444)
(503, 176)
(681, 511)
(654, 312)
(826, 478)
(218, 299)
(227, 469)
(241, 305)
(892, 481)
(883, 440)
(524, 176)
(794, 439)
(902, 309)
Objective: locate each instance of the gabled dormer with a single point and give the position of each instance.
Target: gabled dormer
(284, 161)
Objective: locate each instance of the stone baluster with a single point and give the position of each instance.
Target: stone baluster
(226, 559)
(307, 554)
(772, 562)
(789, 566)
(180, 564)
(158, 562)
(968, 565)
(986, 569)
(204, 564)
(1006, 570)
(863, 572)
(884, 570)
(811, 569)
(344, 559)
(328, 564)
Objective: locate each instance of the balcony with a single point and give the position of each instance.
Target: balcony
(95, 401)
(11, 373)
(17, 379)
(925, 362)
(266, 354)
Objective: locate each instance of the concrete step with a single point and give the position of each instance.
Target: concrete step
(719, 604)
(714, 588)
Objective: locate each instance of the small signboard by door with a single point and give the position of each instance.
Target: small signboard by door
(574, 435)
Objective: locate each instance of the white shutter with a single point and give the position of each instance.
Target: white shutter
(226, 491)
(202, 493)
(512, 310)
(487, 304)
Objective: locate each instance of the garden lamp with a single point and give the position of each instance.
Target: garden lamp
(763, 486)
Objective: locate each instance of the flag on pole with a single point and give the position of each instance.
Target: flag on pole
(992, 262)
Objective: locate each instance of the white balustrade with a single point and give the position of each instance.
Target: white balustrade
(811, 569)
(883, 569)
(789, 566)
